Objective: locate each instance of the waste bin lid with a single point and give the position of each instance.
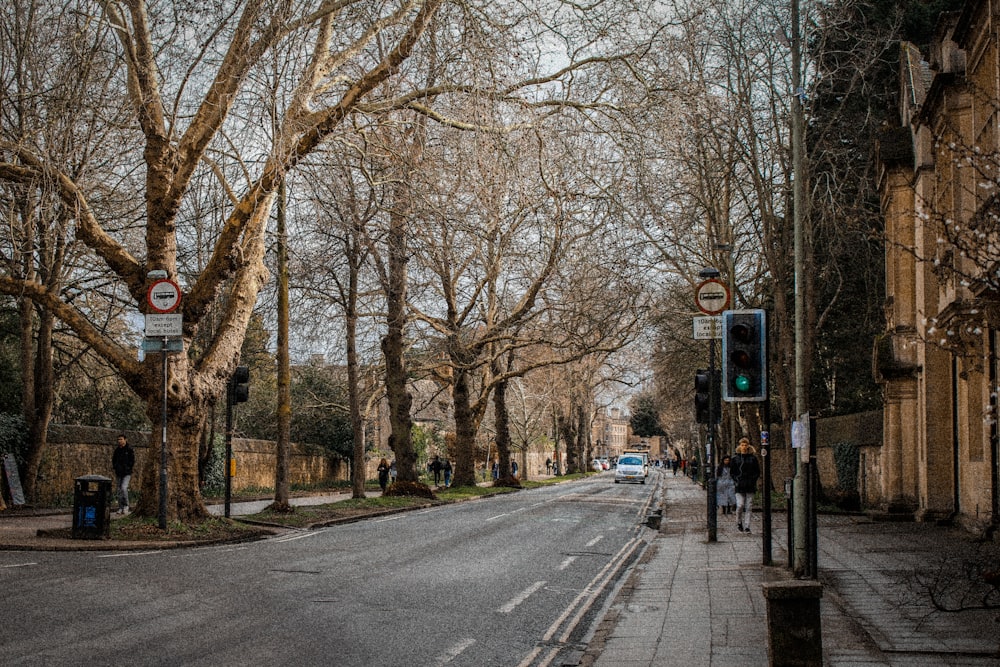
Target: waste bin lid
(93, 478)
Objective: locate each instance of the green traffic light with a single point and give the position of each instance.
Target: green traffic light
(741, 382)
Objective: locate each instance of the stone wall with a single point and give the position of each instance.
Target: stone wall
(74, 451)
(863, 429)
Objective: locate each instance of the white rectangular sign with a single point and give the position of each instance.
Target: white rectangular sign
(164, 324)
(707, 328)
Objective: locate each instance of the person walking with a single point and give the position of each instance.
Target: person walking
(446, 467)
(123, 461)
(435, 467)
(745, 471)
(392, 472)
(675, 461)
(383, 474)
(725, 487)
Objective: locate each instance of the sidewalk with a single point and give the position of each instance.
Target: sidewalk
(694, 603)
(28, 530)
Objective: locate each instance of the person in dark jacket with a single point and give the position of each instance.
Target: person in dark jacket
(383, 474)
(745, 471)
(435, 468)
(123, 461)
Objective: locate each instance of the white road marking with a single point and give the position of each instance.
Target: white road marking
(588, 594)
(566, 563)
(521, 597)
(453, 652)
(292, 538)
(18, 565)
(130, 554)
(595, 540)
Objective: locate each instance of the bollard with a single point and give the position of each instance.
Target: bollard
(794, 633)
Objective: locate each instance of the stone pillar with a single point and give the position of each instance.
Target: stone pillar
(794, 633)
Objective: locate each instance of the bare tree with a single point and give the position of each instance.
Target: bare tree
(178, 137)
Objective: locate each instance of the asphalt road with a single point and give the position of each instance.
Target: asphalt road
(513, 580)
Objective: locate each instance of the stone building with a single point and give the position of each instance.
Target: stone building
(937, 360)
(610, 431)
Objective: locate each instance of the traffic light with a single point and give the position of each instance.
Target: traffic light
(744, 355)
(703, 388)
(240, 384)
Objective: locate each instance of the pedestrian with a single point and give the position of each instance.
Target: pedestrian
(393, 472)
(435, 467)
(675, 461)
(383, 474)
(513, 468)
(548, 466)
(725, 487)
(446, 467)
(123, 461)
(496, 470)
(745, 472)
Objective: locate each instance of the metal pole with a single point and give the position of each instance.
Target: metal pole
(229, 446)
(711, 482)
(798, 217)
(163, 441)
(765, 453)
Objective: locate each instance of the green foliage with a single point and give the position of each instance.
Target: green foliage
(319, 412)
(13, 435)
(105, 402)
(645, 421)
(425, 438)
(10, 361)
(214, 474)
(847, 458)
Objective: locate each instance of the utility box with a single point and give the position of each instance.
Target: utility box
(92, 508)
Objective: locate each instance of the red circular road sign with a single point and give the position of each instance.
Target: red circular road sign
(164, 296)
(711, 296)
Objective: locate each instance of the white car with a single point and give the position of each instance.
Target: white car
(630, 468)
(596, 466)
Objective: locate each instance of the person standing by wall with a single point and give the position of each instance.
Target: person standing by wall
(123, 461)
(745, 471)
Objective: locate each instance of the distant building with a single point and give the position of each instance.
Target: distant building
(611, 432)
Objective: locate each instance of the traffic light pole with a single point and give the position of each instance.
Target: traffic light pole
(229, 445)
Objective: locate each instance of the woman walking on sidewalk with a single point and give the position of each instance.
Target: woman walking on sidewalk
(725, 489)
(745, 471)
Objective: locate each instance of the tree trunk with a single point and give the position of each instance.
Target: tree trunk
(358, 470)
(42, 397)
(465, 430)
(393, 348)
(282, 494)
(567, 428)
(189, 399)
(502, 425)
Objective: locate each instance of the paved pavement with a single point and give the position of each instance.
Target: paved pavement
(693, 603)
(28, 530)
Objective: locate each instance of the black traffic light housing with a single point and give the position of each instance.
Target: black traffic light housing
(240, 384)
(706, 406)
(744, 355)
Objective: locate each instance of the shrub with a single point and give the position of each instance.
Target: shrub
(13, 435)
